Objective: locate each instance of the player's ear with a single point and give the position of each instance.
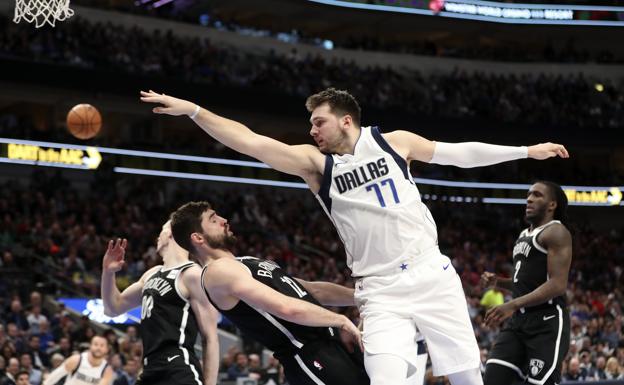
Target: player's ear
(552, 205)
(197, 238)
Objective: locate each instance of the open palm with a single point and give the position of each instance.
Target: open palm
(114, 258)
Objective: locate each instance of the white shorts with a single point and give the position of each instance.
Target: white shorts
(428, 297)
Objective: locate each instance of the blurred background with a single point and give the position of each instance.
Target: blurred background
(505, 73)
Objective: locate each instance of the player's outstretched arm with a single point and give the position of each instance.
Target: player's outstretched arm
(228, 278)
(467, 154)
(68, 366)
(329, 294)
(301, 160)
(207, 317)
(115, 302)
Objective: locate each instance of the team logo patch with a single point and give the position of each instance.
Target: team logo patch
(318, 365)
(535, 366)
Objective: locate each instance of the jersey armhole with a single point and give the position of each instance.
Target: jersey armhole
(177, 278)
(77, 366)
(104, 369)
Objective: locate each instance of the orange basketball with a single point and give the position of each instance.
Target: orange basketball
(84, 121)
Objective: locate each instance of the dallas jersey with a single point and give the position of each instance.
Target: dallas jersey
(530, 262)
(281, 336)
(167, 320)
(85, 373)
(376, 207)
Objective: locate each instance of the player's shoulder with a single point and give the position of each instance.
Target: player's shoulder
(555, 232)
(224, 267)
(150, 272)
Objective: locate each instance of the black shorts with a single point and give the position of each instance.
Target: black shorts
(171, 367)
(324, 361)
(533, 344)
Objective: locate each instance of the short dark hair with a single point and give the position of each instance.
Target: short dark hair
(22, 373)
(558, 195)
(186, 220)
(340, 103)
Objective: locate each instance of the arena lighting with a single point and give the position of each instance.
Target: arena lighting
(577, 195)
(499, 12)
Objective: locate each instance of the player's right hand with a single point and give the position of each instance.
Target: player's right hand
(351, 336)
(488, 279)
(170, 105)
(114, 258)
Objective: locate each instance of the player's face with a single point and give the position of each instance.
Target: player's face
(99, 347)
(538, 203)
(216, 231)
(327, 128)
(164, 237)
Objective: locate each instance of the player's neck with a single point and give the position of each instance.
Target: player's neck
(347, 146)
(93, 361)
(540, 223)
(215, 254)
(174, 257)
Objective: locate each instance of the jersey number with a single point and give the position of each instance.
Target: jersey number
(377, 189)
(300, 292)
(146, 306)
(517, 271)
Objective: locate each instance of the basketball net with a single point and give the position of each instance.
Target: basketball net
(42, 12)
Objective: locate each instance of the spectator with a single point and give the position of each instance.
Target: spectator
(34, 318)
(613, 370)
(240, 368)
(34, 374)
(23, 378)
(16, 315)
(574, 373)
(11, 371)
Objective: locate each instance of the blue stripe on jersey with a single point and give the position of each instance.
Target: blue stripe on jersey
(326, 182)
(402, 163)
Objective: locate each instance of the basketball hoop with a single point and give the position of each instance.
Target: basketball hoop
(42, 12)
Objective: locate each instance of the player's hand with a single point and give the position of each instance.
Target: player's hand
(114, 258)
(499, 313)
(170, 105)
(488, 280)
(547, 150)
(351, 335)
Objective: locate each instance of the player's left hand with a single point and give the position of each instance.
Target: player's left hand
(351, 337)
(499, 313)
(169, 104)
(547, 150)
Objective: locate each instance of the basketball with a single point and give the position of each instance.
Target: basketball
(84, 121)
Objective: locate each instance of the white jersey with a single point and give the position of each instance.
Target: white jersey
(376, 207)
(85, 374)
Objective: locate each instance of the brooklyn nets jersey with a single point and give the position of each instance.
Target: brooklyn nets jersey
(376, 207)
(167, 320)
(85, 374)
(530, 261)
(275, 333)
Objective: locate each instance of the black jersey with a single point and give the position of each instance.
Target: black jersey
(275, 333)
(531, 264)
(167, 320)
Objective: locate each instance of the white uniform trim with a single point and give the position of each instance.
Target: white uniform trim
(507, 364)
(308, 371)
(175, 282)
(554, 365)
(535, 233)
(278, 325)
(185, 353)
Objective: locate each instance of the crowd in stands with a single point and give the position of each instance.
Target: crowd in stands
(529, 99)
(526, 51)
(56, 233)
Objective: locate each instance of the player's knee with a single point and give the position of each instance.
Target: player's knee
(385, 369)
(467, 377)
(498, 374)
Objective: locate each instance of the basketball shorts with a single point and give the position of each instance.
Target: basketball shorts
(324, 362)
(425, 296)
(534, 344)
(171, 367)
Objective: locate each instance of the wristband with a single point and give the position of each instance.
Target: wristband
(195, 113)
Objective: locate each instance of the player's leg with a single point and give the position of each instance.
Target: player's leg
(441, 314)
(505, 364)
(389, 332)
(418, 378)
(386, 369)
(326, 362)
(547, 344)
